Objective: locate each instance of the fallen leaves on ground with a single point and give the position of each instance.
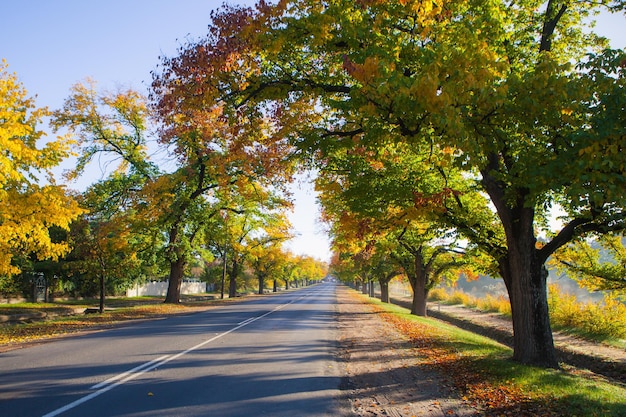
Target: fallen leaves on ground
(477, 389)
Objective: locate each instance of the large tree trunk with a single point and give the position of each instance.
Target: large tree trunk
(524, 275)
(384, 290)
(417, 279)
(525, 279)
(177, 269)
(261, 284)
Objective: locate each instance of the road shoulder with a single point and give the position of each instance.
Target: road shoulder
(383, 376)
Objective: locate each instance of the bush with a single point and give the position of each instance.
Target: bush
(603, 320)
(499, 304)
(459, 297)
(437, 294)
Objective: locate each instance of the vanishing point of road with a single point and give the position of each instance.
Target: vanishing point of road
(273, 355)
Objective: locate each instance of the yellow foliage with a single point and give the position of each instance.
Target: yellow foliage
(27, 209)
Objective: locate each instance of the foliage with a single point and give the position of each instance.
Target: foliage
(115, 244)
(499, 304)
(30, 202)
(511, 90)
(251, 224)
(602, 320)
(596, 265)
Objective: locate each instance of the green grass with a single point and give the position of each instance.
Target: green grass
(568, 392)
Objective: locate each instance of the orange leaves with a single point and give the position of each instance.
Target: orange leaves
(436, 200)
(365, 73)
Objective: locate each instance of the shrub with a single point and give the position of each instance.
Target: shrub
(606, 319)
(437, 294)
(459, 297)
(499, 304)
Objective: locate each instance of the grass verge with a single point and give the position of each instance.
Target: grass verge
(485, 376)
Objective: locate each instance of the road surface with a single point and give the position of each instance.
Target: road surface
(272, 355)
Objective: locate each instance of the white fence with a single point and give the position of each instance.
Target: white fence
(160, 288)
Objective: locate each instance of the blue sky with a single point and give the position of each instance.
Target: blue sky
(53, 44)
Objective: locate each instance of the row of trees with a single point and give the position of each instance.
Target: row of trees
(217, 191)
(437, 127)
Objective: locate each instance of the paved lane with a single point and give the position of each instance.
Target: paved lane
(271, 355)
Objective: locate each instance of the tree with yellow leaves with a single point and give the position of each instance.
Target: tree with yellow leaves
(30, 201)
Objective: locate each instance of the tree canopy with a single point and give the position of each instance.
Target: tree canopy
(30, 201)
(525, 98)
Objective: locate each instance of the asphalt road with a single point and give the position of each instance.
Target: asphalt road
(271, 355)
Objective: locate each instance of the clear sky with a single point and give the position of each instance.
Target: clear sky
(53, 44)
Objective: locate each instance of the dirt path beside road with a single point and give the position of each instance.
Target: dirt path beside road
(384, 377)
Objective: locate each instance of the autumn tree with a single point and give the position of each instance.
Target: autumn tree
(111, 128)
(384, 268)
(523, 94)
(217, 146)
(251, 224)
(266, 254)
(30, 201)
(265, 260)
(401, 204)
(306, 269)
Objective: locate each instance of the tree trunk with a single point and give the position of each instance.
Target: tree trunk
(418, 306)
(261, 284)
(232, 278)
(102, 293)
(224, 265)
(177, 269)
(364, 289)
(384, 290)
(275, 289)
(417, 279)
(524, 275)
(525, 280)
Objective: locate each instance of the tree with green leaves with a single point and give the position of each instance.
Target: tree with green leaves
(598, 265)
(252, 221)
(528, 102)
